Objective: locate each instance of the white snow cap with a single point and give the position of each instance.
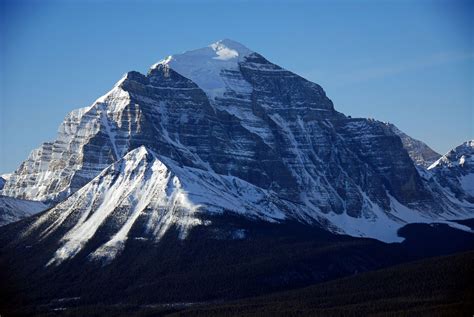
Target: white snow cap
(204, 66)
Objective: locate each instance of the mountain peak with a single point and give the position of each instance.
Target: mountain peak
(138, 153)
(222, 50)
(230, 43)
(205, 65)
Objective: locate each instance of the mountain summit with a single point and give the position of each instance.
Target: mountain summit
(207, 66)
(226, 131)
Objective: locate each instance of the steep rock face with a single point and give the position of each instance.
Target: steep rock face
(421, 154)
(455, 171)
(225, 110)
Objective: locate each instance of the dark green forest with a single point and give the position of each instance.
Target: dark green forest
(440, 286)
(210, 274)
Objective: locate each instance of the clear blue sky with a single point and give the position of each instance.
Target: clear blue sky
(407, 62)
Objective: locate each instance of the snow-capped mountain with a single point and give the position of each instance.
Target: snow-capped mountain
(222, 129)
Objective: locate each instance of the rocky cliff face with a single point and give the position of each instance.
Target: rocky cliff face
(230, 117)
